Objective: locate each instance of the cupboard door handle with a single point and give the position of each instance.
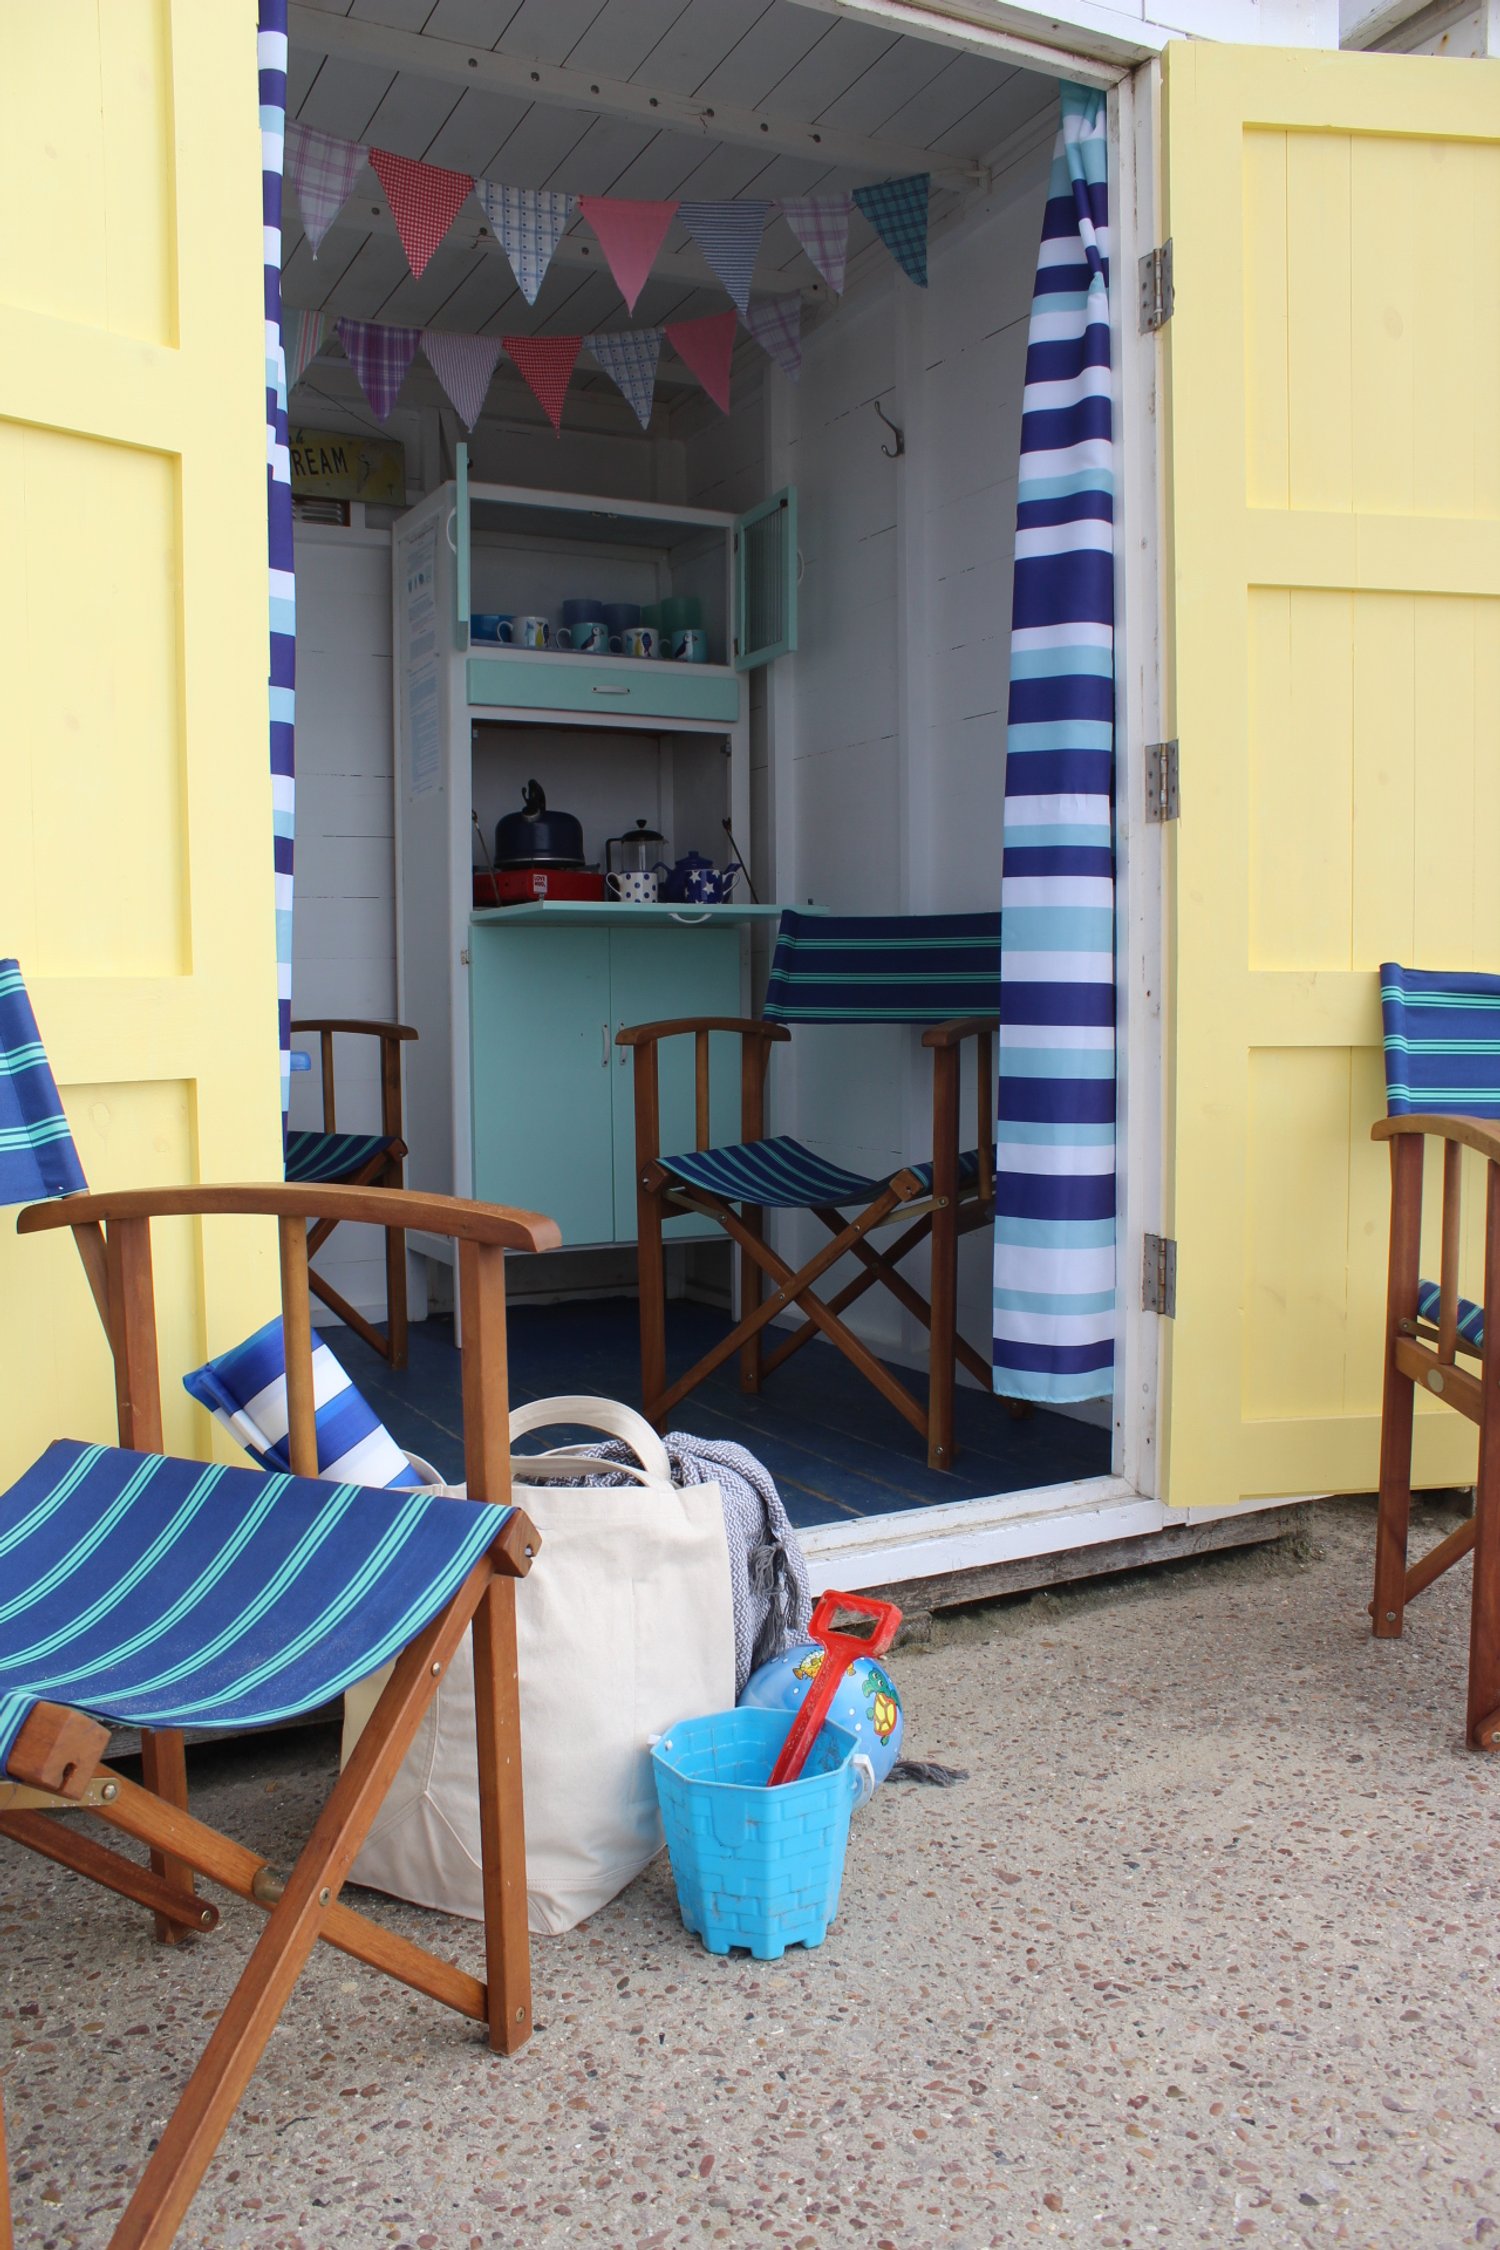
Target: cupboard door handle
(604, 1044)
(611, 691)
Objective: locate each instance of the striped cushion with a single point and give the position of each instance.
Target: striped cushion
(158, 1593)
(1442, 1042)
(245, 1390)
(37, 1156)
(781, 1175)
(898, 968)
(1470, 1315)
(331, 1156)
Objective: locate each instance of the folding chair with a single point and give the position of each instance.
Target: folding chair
(1442, 1062)
(942, 970)
(143, 1591)
(314, 1155)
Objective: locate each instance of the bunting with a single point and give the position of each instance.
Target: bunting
(528, 224)
(629, 358)
(547, 364)
(729, 235)
(464, 365)
(380, 357)
(306, 333)
(323, 171)
(776, 325)
(897, 210)
(821, 225)
(630, 234)
(425, 200)
(707, 347)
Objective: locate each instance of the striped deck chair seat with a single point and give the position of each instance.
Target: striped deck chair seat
(316, 1156)
(780, 1174)
(1442, 1059)
(37, 1156)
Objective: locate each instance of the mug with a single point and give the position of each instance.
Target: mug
(636, 640)
(587, 636)
(710, 886)
(619, 616)
(681, 612)
(582, 609)
(689, 645)
(632, 890)
(526, 632)
(486, 624)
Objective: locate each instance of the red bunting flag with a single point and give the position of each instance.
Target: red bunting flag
(630, 234)
(424, 201)
(707, 345)
(547, 364)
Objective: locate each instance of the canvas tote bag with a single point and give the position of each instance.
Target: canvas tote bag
(624, 1626)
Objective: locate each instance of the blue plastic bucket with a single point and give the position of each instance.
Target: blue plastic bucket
(754, 1866)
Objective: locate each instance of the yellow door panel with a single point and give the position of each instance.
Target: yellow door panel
(1333, 566)
(135, 852)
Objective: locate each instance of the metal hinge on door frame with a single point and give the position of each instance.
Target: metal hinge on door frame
(1157, 294)
(1159, 1276)
(1163, 785)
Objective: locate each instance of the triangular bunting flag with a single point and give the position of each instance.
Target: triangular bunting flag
(628, 357)
(729, 235)
(630, 234)
(708, 347)
(463, 365)
(897, 210)
(424, 201)
(380, 357)
(528, 224)
(323, 171)
(776, 325)
(304, 334)
(547, 364)
(821, 225)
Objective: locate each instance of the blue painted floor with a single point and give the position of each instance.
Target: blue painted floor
(836, 1449)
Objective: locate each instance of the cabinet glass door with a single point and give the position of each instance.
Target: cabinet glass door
(543, 1068)
(460, 537)
(656, 975)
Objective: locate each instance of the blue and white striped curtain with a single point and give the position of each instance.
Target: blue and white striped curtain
(1055, 1167)
(272, 65)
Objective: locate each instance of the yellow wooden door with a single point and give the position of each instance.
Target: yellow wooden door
(1332, 431)
(135, 809)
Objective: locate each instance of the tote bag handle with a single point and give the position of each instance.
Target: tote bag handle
(604, 1414)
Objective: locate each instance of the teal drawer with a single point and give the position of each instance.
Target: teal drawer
(537, 682)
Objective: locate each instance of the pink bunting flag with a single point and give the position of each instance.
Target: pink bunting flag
(380, 357)
(424, 201)
(464, 366)
(304, 335)
(707, 346)
(323, 170)
(547, 364)
(630, 234)
(776, 325)
(821, 225)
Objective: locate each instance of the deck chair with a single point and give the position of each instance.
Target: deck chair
(145, 1591)
(1442, 1061)
(941, 970)
(375, 1160)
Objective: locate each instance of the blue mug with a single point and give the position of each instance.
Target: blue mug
(489, 625)
(581, 609)
(621, 616)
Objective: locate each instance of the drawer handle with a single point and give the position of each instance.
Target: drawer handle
(611, 691)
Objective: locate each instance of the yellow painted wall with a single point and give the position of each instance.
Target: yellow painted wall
(135, 843)
(1333, 507)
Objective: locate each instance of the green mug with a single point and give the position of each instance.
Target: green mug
(681, 613)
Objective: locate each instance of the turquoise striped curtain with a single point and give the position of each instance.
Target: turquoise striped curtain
(1054, 1281)
(272, 49)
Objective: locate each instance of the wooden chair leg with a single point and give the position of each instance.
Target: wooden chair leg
(1399, 1401)
(651, 1277)
(752, 1363)
(1484, 1615)
(395, 1287)
(942, 1339)
(502, 1836)
(164, 1772)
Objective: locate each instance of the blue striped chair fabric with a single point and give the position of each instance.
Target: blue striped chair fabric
(879, 968)
(1470, 1315)
(313, 1156)
(245, 1391)
(781, 1174)
(37, 1156)
(156, 1593)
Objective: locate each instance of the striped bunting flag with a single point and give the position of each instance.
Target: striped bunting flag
(272, 59)
(1054, 1284)
(729, 235)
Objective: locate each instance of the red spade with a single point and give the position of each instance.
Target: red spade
(877, 1629)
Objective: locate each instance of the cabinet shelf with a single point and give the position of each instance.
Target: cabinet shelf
(614, 914)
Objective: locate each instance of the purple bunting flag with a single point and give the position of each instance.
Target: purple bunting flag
(776, 325)
(464, 366)
(380, 357)
(729, 235)
(821, 225)
(528, 224)
(323, 170)
(897, 210)
(628, 357)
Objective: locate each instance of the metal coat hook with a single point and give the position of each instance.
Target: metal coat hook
(892, 453)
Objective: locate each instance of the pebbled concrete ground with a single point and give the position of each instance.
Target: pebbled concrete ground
(1203, 1952)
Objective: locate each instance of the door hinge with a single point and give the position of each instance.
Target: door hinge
(1157, 295)
(1159, 1276)
(1163, 787)
(464, 956)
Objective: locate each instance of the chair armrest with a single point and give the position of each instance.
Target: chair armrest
(960, 1028)
(353, 1023)
(647, 1034)
(410, 1208)
(1472, 1132)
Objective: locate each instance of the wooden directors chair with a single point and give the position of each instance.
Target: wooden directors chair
(941, 970)
(314, 1155)
(1442, 1061)
(159, 1593)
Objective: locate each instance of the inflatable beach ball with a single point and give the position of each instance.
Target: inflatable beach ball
(865, 1702)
